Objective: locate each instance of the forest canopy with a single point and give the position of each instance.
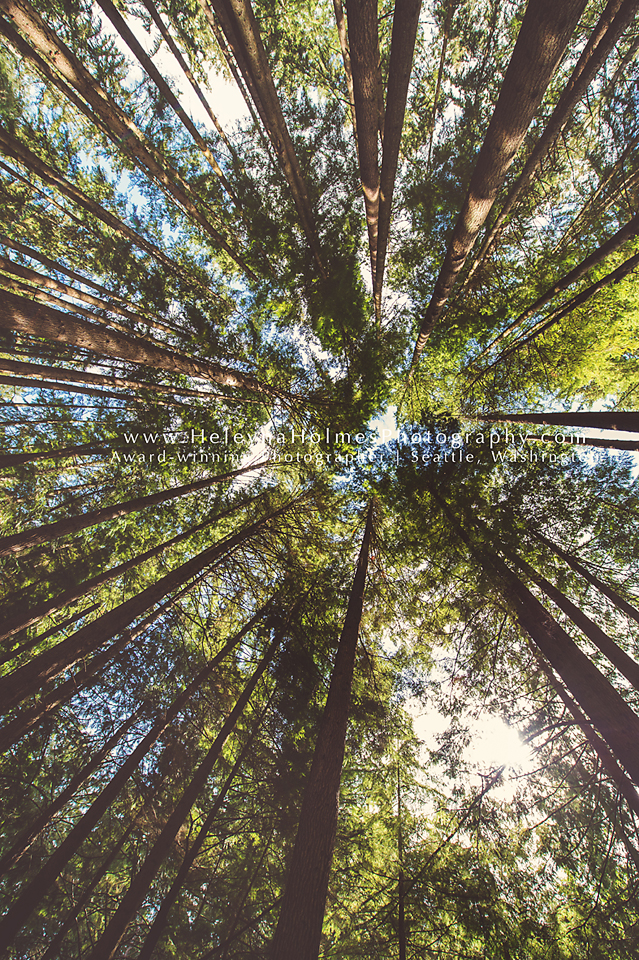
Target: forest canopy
(318, 379)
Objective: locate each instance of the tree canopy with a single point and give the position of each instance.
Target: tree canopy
(318, 375)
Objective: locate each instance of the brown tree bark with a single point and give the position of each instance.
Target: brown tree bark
(29, 898)
(544, 35)
(405, 23)
(18, 542)
(38, 320)
(617, 15)
(45, 608)
(364, 50)
(107, 945)
(599, 419)
(346, 57)
(82, 449)
(115, 122)
(28, 679)
(299, 928)
(627, 232)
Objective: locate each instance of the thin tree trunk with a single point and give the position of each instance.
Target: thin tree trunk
(136, 48)
(44, 818)
(346, 57)
(27, 901)
(53, 604)
(28, 679)
(104, 380)
(41, 280)
(364, 49)
(161, 918)
(38, 320)
(300, 924)
(107, 945)
(627, 232)
(575, 565)
(401, 915)
(616, 722)
(19, 542)
(114, 122)
(20, 152)
(598, 419)
(243, 36)
(620, 273)
(617, 15)
(405, 24)
(544, 35)
(625, 785)
(438, 85)
(610, 649)
(85, 391)
(82, 449)
(175, 50)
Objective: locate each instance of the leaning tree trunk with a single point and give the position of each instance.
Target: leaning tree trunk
(107, 946)
(346, 57)
(82, 449)
(19, 542)
(603, 588)
(627, 232)
(612, 23)
(438, 83)
(52, 605)
(38, 320)
(610, 649)
(598, 419)
(161, 918)
(544, 35)
(405, 23)
(27, 901)
(299, 928)
(113, 121)
(27, 680)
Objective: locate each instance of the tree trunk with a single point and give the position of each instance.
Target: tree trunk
(610, 649)
(617, 15)
(299, 929)
(52, 605)
(82, 449)
(544, 35)
(35, 828)
(161, 917)
(103, 380)
(38, 320)
(598, 419)
(346, 57)
(401, 915)
(27, 680)
(136, 48)
(107, 945)
(114, 122)
(18, 151)
(615, 276)
(608, 762)
(243, 36)
(627, 232)
(364, 49)
(438, 84)
(607, 591)
(175, 50)
(19, 542)
(26, 902)
(405, 24)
